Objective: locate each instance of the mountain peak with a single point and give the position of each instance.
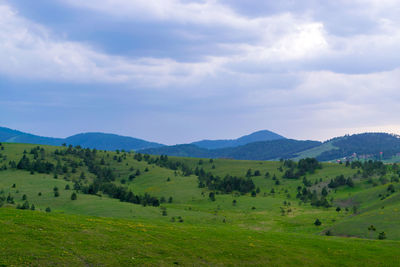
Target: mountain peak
(263, 135)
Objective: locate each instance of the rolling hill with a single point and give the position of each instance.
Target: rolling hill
(115, 221)
(251, 138)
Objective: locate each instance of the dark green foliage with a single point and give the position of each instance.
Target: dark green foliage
(391, 188)
(24, 206)
(382, 235)
(295, 171)
(324, 192)
(37, 165)
(164, 211)
(317, 222)
(10, 199)
(73, 196)
(306, 182)
(48, 209)
(308, 165)
(162, 200)
(249, 173)
(328, 233)
(121, 193)
(306, 195)
(211, 195)
(340, 181)
(226, 185)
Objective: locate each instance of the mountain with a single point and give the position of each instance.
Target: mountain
(267, 150)
(101, 141)
(261, 145)
(363, 146)
(251, 138)
(105, 141)
(357, 146)
(14, 136)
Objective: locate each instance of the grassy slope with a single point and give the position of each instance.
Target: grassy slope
(257, 220)
(36, 238)
(316, 151)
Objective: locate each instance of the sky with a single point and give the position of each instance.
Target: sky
(177, 71)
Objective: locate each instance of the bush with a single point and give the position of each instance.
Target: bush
(317, 222)
(382, 235)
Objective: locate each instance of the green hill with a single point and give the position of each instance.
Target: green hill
(138, 209)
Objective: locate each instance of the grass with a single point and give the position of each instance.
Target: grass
(98, 230)
(37, 238)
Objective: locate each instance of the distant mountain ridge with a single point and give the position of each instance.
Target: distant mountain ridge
(263, 135)
(14, 136)
(264, 150)
(100, 141)
(261, 145)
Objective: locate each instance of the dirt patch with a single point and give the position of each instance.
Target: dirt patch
(346, 203)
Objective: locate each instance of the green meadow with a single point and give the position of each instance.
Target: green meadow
(271, 224)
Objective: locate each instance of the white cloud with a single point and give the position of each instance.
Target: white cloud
(32, 51)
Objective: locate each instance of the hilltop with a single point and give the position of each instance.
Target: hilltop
(263, 135)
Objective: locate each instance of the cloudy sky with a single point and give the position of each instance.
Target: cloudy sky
(175, 71)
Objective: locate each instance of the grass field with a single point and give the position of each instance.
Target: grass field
(36, 238)
(272, 227)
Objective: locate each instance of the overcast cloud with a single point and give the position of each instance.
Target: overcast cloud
(177, 71)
